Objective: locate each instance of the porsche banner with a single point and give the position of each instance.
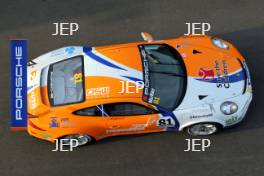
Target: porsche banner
(18, 106)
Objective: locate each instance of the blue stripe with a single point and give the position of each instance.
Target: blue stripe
(132, 78)
(235, 77)
(165, 113)
(18, 106)
(88, 52)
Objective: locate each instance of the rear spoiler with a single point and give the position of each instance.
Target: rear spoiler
(30, 63)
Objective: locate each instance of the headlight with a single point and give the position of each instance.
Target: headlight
(228, 107)
(219, 43)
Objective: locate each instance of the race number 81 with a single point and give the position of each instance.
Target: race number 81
(165, 122)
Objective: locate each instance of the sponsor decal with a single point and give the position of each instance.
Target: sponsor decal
(64, 119)
(97, 92)
(57, 53)
(222, 81)
(65, 123)
(156, 100)
(54, 123)
(33, 75)
(45, 135)
(77, 78)
(148, 92)
(62, 123)
(218, 74)
(18, 107)
(226, 78)
(146, 73)
(33, 100)
(134, 127)
(69, 50)
(221, 77)
(200, 116)
(145, 98)
(206, 73)
(178, 46)
(200, 111)
(151, 95)
(233, 120)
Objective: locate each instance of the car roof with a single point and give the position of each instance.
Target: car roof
(112, 69)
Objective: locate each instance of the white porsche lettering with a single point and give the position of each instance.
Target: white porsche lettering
(19, 84)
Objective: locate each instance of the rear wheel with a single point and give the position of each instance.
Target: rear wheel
(203, 129)
(80, 139)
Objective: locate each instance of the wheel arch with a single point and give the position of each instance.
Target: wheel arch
(66, 134)
(215, 121)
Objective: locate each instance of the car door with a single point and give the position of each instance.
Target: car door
(92, 121)
(130, 118)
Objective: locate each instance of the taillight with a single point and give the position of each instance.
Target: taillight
(31, 116)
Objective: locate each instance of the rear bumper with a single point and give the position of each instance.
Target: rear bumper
(34, 130)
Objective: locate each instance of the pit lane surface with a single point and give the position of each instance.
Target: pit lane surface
(237, 151)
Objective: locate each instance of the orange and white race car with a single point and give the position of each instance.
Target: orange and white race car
(198, 83)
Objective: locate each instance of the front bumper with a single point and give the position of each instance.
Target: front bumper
(243, 102)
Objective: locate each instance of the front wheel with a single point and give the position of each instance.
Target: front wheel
(203, 129)
(80, 139)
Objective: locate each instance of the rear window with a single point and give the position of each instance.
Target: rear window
(66, 82)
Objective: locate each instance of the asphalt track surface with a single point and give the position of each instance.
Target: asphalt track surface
(238, 151)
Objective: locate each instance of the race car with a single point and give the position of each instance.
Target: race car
(196, 83)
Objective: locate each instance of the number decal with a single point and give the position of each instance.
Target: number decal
(165, 122)
(77, 78)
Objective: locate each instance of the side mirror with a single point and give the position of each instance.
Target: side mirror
(147, 37)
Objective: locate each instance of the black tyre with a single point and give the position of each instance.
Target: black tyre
(203, 129)
(81, 139)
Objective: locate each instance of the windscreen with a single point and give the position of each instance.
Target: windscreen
(65, 82)
(164, 75)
